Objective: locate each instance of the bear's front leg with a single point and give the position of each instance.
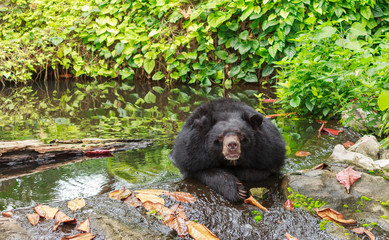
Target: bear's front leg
(223, 182)
(251, 174)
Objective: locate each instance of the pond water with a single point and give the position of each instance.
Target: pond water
(120, 110)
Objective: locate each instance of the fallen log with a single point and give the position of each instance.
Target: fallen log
(32, 154)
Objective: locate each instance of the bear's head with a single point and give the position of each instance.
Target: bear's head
(230, 135)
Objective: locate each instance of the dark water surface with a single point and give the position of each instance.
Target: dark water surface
(118, 110)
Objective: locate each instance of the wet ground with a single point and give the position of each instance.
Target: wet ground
(119, 110)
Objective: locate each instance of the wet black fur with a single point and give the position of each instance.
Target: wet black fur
(198, 151)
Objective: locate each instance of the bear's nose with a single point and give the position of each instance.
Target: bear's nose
(232, 145)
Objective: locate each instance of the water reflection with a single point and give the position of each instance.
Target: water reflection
(121, 110)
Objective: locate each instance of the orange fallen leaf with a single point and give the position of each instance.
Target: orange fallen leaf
(151, 198)
(332, 131)
(156, 192)
(320, 166)
(182, 197)
(133, 201)
(251, 200)
(348, 144)
(76, 204)
(119, 194)
(178, 210)
(7, 214)
(61, 217)
(84, 226)
(290, 237)
(362, 230)
(302, 154)
(332, 215)
(347, 177)
(33, 218)
(46, 211)
(321, 121)
(149, 206)
(177, 223)
(278, 115)
(81, 236)
(288, 205)
(199, 231)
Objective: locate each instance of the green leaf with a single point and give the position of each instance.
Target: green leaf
(366, 12)
(246, 13)
(150, 97)
(244, 47)
(119, 48)
(243, 35)
(309, 105)
(56, 40)
(251, 78)
(233, 26)
(158, 89)
(234, 70)
(158, 76)
(325, 32)
(232, 58)
(358, 29)
(290, 51)
(267, 70)
(149, 65)
(221, 54)
(383, 100)
(295, 102)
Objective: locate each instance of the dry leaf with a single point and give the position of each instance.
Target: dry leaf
(279, 115)
(177, 223)
(320, 166)
(7, 214)
(290, 237)
(149, 206)
(362, 230)
(332, 131)
(61, 217)
(156, 192)
(81, 236)
(199, 231)
(348, 144)
(186, 14)
(84, 226)
(76, 204)
(332, 215)
(347, 177)
(46, 211)
(133, 201)
(288, 205)
(33, 218)
(251, 200)
(178, 210)
(119, 194)
(269, 100)
(182, 197)
(151, 198)
(302, 154)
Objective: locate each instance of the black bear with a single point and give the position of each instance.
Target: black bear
(224, 142)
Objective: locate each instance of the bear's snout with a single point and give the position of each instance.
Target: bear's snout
(231, 147)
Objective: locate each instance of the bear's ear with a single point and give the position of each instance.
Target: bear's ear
(254, 119)
(203, 124)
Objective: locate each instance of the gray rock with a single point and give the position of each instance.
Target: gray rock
(322, 184)
(367, 145)
(341, 155)
(359, 118)
(383, 163)
(11, 230)
(384, 154)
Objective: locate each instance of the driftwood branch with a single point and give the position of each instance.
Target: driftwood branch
(33, 153)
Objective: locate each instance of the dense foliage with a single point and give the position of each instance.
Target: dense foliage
(331, 51)
(197, 42)
(336, 71)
